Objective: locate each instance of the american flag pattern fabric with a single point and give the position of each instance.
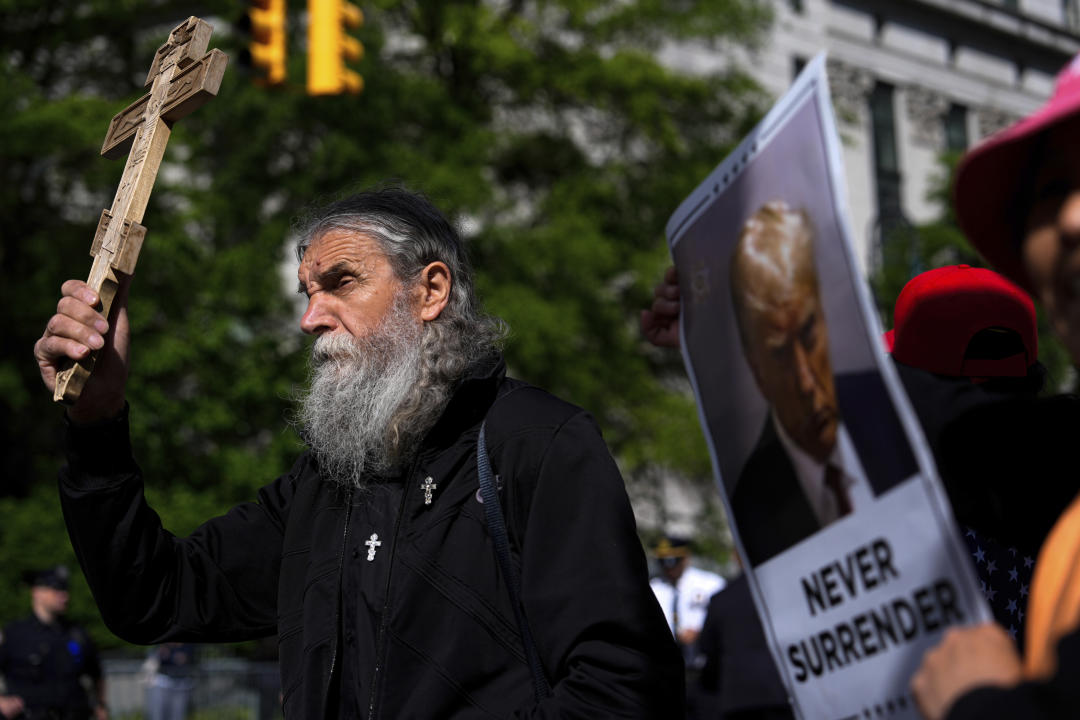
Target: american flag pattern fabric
(1005, 578)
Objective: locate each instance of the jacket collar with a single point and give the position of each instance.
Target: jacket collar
(468, 405)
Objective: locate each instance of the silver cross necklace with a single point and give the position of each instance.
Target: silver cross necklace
(428, 486)
(372, 543)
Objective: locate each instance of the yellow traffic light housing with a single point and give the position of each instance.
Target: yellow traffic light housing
(267, 47)
(329, 47)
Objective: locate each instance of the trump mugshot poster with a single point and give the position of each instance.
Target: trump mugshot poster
(854, 560)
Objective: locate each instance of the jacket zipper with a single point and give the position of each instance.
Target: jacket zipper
(337, 605)
(384, 619)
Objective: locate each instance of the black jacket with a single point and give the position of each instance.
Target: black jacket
(448, 642)
(1006, 459)
(739, 680)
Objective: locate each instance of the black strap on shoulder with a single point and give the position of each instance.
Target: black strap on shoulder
(497, 527)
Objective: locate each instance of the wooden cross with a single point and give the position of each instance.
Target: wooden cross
(182, 78)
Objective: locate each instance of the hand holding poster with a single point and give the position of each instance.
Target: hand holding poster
(853, 558)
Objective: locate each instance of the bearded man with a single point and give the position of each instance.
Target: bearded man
(371, 559)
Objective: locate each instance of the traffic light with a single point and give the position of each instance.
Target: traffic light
(329, 47)
(265, 20)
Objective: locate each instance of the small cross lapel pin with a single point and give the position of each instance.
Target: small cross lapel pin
(428, 486)
(372, 543)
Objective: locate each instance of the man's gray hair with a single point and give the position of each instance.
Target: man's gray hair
(413, 233)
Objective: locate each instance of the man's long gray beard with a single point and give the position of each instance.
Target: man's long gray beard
(371, 400)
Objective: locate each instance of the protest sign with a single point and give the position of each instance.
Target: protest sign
(854, 559)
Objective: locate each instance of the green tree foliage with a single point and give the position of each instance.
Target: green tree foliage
(909, 250)
(548, 129)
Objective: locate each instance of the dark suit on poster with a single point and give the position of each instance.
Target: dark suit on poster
(771, 510)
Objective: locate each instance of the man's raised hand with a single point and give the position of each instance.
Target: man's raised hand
(72, 333)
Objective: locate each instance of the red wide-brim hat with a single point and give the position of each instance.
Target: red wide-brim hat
(992, 177)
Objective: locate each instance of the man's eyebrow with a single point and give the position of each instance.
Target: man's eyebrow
(330, 274)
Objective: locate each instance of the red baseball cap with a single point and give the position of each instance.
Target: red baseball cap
(992, 176)
(939, 312)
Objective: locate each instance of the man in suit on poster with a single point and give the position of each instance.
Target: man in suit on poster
(809, 467)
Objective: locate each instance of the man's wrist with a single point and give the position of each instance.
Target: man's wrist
(86, 416)
(99, 449)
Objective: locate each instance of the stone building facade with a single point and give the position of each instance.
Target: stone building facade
(911, 79)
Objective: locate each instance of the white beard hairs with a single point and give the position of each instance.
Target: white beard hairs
(368, 405)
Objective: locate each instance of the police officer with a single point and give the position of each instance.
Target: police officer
(49, 666)
(683, 592)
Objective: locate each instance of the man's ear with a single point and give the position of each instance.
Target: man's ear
(433, 290)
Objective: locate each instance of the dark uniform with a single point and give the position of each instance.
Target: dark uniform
(53, 667)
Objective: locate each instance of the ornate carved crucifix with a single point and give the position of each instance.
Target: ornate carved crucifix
(182, 78)
(428, 486)
(373, 544)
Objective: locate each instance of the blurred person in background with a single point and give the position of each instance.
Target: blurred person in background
(171, 668)
(1018, 200)
(50, 667)
(683, 592)
(976, 326)
(739, 680)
